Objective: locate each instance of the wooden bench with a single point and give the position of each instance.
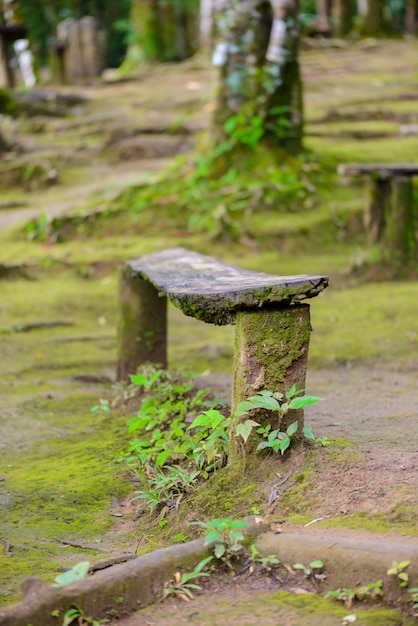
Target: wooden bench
(390, 216)
(272, 323)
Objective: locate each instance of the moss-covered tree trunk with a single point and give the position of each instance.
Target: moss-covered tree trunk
(260, 89)
(374, 23)
(162, 30)
(343, 15)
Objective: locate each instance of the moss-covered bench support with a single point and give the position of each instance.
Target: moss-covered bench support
(272, 323)
(390, 216)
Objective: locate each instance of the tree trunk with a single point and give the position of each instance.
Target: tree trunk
(206, 26)
(323, 16)
(260, 91)
(146, 29)
(411, 17)
(161, 31)
(344, 13)
(374, 21)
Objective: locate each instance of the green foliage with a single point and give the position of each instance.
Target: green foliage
(276, 440)
(181, 585)
(267, 563)
(413, 597)
(75, 615)
(77, 572)
(313, 570)
(102, 407)
(225, 536)
(180, 437)
(363, 592)
(399, 570)
(203, 196)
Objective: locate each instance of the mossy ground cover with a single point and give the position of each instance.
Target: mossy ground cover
(57, 457)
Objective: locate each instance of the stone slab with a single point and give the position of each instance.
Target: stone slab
(213, 292)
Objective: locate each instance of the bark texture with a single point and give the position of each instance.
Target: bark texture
(260, 84)
(374, 20)
(344, 12)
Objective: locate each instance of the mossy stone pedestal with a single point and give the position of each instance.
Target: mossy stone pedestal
(142, 331)
(271, 352)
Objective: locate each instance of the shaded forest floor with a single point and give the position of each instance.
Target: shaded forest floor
(58, 473)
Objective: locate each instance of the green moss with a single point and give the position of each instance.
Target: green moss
(401, 519)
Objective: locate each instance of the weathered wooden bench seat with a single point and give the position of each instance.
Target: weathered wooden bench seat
(272, 323)
(390, 214)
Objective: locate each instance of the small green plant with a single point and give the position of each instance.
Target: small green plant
(364, 592)
(266, 562)
(226, 536)
(75, 615)
(181, 437)
(399, 570)
(180, 538)
(312, 570)
(413, 597)
(280, 404)
(80, 570)
(102, 407)
(181, 585)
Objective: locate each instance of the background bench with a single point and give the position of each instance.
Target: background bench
(390, 216)
(272, 324)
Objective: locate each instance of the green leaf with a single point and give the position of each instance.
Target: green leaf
(236, 536)
(201, 420)
(139, 379)
(219, 550)
(75, 573)
(284, 444)
(293, 392)
(266, 402)
(292, 429)
(238, 523)
(203, 564)
(162, 457)
(263, 445)
(307, 432)
(243, 408)
(266, 392)
(299, 403)
(245, 428)
(212, 536)
(316, 564)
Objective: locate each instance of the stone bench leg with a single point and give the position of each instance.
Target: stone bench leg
(142, 330)
(401, 244)
(376, 210)
(271, 351)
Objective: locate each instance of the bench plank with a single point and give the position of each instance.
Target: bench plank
(385, 170)
(214, 292)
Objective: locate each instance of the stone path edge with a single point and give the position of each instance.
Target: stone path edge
(348, 563)
(118, 590)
